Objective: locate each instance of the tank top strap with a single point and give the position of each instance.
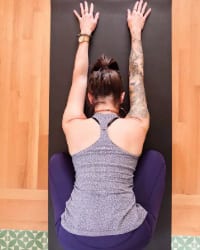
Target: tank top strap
(105, 120)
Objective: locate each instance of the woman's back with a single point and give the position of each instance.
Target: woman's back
(102, 201)
(127, 133)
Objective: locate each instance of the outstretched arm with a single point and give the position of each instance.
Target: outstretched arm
(76, 99)
(138, 105)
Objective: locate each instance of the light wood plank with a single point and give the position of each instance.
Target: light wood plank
(24, 88)
(25, 214)
(24, 194)
(186, 93)
(185, 117)
(185, 217)
(24, 85)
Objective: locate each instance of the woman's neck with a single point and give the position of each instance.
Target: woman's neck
(106, 108)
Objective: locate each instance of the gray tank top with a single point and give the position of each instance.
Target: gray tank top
(102, 201)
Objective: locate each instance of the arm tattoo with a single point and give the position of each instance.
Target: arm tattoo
(138, 105)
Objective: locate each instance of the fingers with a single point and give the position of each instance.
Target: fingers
(77, 15)
(144, 8)
(91, 8)
(147, 13)
(96, 17)
(82, 9)
(86, 6)
(140, 6)
(128, 13)
(135, 7)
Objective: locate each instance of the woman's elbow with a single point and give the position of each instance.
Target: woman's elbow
(146, 121)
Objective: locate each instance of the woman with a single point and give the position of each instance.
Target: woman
(105, 148)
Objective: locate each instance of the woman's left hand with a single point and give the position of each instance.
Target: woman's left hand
(87, 20)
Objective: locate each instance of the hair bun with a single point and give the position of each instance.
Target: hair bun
(104, 63)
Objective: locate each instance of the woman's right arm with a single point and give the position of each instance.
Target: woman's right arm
(138, 105)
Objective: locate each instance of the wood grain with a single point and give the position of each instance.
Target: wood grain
(24, 88)
(186, 97)
(185, 116)
(23, 209)
(185, 219)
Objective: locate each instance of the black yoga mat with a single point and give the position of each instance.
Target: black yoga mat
(112, 38)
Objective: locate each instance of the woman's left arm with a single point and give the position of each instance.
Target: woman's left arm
(76, 99)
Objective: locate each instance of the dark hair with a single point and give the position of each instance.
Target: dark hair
(105, 79)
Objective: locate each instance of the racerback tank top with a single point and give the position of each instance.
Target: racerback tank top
(102, 201)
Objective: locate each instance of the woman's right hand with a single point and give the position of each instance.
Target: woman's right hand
(87, 19)
(136, 18)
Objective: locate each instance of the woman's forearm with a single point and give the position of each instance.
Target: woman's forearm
(138, 104)
(136, 20)
(81, 61)
(88, 24)
(76, 98)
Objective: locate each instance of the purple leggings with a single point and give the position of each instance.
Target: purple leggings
(149, 186)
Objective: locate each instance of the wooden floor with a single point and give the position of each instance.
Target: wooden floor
(24, 88)
(186, 116)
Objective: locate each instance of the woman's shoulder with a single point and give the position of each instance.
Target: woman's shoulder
(77, 123)
(129, 122)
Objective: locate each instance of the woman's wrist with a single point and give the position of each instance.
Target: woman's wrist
(84, 37)
(136, 36)
(86, 32)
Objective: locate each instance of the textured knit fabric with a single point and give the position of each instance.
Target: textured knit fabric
(149, 186)
(102, 201)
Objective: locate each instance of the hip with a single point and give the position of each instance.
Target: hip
(127, 241)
